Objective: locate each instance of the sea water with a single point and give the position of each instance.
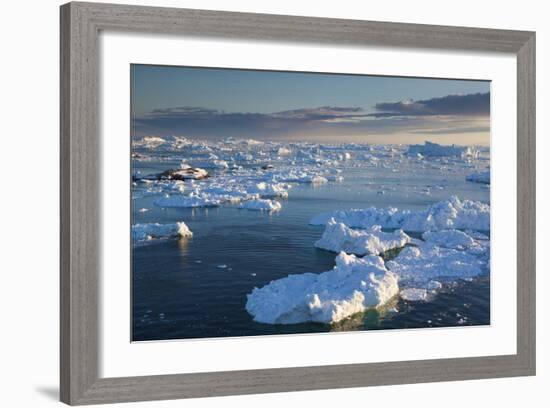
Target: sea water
(197, 287)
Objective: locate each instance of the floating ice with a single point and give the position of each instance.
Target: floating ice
(231, 194)
(183, 230)
(316, 180)
(454, 239)
(190, 201)
(283, 151)
(353, 286)
(483, 177)
(429, 149)
(451, 213)
(269, 190)
(149, 142)
(208, 164)
(338, 237)
(416, 266)
(261, 205)
(150, 231)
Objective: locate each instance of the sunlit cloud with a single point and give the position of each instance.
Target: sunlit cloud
(449, 115)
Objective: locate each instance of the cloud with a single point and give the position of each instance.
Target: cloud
(323, 113)
(453, 114)
(452, 105)
(200, 120)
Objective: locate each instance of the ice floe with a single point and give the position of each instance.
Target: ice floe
(149, 142)
(190, 201)
(261, 205)
(150, 231)
(338, 237)
(454, 239)
(429, 149)
(418, 265)
(269, 190)
(353, 286)
(451, 213)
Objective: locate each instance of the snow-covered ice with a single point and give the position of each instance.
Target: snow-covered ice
(269, 190)
(190, 201)
(150, 231)
(338, 237)
(416, 266)
(183, 230)
(454, 239)
(451, 213)
(261, 205)
(429, 149)
(353, 286)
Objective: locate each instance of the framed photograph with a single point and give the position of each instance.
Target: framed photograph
(261, 203)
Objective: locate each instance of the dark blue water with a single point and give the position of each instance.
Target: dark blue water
(197, 287)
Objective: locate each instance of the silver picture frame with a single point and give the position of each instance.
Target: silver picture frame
(81, 24)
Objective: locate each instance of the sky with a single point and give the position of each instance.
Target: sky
(214, 103)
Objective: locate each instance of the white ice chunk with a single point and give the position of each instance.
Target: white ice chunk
(190, 201)
(353, 286)
(149, 231)
(233, 194)
(269, 190)
(149, 142)
(183, 230)
(283, 151)
(429, 149)
(316, 180)
(449, 239)
(338, 237)
(416, 266)
(261, 205)
(451, 213)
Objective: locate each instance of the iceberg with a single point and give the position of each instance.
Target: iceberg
(261, 205)
(338, 237)
(150, 231)
(417, 266)
(353, 286)
(269, 190)
(316, 180)
(283, 151)
(454, 239)
(149, 142)
(483, 177)
(429, 149)
(449, 214)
